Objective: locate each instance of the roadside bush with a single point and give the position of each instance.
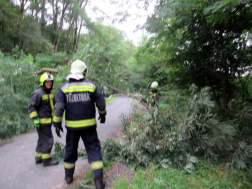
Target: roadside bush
(178, 136)
(111, 150)
(17, 84)
(7, 128)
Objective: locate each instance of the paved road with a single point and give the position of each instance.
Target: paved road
(17, 165)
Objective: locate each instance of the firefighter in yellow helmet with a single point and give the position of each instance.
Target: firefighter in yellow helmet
(78, 98)
(153, 94)
(40, 109)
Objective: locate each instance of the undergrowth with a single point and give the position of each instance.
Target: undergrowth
(206, 175)
(164, 147)
(177, 137)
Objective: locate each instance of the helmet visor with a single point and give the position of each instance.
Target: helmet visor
(49, 79)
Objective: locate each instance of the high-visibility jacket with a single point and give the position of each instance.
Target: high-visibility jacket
(154, 95)
(41, 106)
(78, 98)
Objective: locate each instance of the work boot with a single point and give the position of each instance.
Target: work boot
(99, 184)
(38, 160)
(50, 162)
(69, 179)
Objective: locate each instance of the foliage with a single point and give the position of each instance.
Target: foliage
(87, 182)
(20, 30)
(201, 42)
(241, 158)
(43, 60)
(176, 137)
(151, 65)
(59, 152)
(30, 25)
(9, 17)
(30, 38)
(111, 150)
(102, 50)
(17, 84)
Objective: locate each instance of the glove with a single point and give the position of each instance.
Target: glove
(58, 129)
(36, 123)
(102, 118)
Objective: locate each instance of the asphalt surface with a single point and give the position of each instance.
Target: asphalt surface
(17, 165)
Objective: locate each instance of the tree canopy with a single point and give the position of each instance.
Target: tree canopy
(201, 42)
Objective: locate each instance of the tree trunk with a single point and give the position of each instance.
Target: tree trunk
(16, 38)
(23, 3)
(2, 29)
(217, 100)
(78, 37)
(75, 35)
(217, 61)
(70, 27)
(68, 33)
(2, 24)
(61, 25)
(22, 6)
(55, 18)
(43, 17)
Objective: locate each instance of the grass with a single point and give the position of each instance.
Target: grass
(109, 100)
(206, 176)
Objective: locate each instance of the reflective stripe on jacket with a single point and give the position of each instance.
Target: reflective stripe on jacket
(154, 95)
(41, 106)
(78, 98)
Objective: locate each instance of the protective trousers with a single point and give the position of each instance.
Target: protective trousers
(44, 144)
(93, 149)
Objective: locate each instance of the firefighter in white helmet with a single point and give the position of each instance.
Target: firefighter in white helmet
(78, 98)
(154, 95)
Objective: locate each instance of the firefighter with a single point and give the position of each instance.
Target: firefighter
(78, 98)
(40, 109)
(154, 95)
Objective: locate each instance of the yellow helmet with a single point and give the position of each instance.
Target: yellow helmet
(45, 77)
(154, 85)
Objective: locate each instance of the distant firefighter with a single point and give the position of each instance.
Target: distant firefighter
(153, 94)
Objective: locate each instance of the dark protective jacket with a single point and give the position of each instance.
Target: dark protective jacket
(78, 98)
(154, 96)
(41, 106)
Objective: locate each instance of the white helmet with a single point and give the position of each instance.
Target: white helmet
(154, 85)
(78, 69)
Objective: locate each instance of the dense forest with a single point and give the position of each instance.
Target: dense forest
(199, 52)
(37, 34)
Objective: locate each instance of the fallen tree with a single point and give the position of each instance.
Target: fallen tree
(110, 86)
